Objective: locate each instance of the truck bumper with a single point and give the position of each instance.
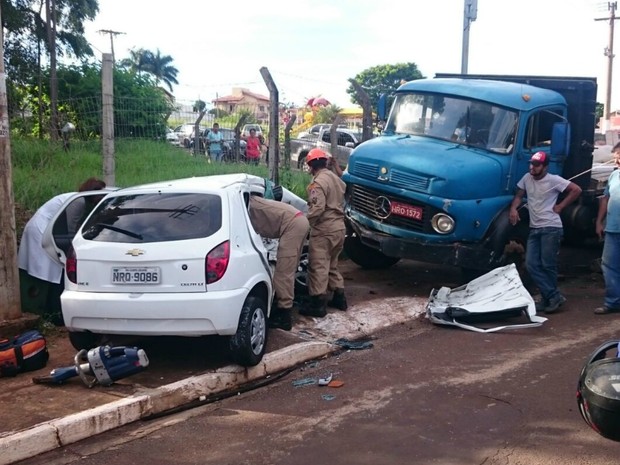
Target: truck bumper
(459, 254)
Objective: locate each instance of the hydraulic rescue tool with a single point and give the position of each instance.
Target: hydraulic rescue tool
(102, 365)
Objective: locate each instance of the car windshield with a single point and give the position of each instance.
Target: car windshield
(154, 218)
(466, 121)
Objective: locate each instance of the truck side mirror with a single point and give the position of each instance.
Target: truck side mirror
(382, 107)
(560, 139)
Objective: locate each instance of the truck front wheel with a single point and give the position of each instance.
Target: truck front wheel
(364, 256)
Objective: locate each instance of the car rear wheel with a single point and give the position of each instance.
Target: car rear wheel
(84, 340)
(247, 346)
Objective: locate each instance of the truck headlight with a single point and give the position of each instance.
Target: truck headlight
(442, 223)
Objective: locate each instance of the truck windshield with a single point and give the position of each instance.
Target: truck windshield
(465, 121)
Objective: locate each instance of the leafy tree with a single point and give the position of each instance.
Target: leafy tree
(24, 23)
(198, 106)
(384, 79)
(33, 27)
(600, 108)
(140, 107)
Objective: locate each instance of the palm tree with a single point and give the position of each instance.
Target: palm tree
(142, 60)
(161, 68)
(327, 114)
(139, 60)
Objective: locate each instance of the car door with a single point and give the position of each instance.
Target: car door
(61, 230)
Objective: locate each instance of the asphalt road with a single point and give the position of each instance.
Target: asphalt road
(423, 394)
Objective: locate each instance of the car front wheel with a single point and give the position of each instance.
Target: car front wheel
(247, 346)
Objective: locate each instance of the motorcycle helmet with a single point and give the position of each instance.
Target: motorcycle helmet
(598, 392)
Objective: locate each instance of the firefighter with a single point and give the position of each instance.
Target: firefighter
(277, 220)
(327, 232)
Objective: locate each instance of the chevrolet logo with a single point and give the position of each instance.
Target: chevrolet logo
(135, 252)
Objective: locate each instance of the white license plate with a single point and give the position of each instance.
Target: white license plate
(136, 275)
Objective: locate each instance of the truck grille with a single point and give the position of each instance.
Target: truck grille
(364, 201)
(396, 177)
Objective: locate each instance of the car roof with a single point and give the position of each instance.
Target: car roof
(203, 183)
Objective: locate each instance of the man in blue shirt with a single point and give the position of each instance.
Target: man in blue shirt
(214, 139)
(608, 226)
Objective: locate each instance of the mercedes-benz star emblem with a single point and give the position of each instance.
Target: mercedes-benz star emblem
(383, 207)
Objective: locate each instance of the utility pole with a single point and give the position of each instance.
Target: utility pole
(609, 53)
(112, 34)
(470, 13)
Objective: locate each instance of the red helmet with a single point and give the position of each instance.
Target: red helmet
(316, 154)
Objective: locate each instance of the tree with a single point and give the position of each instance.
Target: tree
(24, 23)
(141, 107)
(58, 25)
(156, 64)
(384, 79)
(327, 114)
(600, 108)
(198, 106)
(139, 60)
(161, 68)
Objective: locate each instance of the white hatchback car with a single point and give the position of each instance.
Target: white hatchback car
(176, 258)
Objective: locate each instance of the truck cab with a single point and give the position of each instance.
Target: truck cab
(437, 184)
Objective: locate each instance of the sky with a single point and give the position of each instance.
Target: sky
(312, 47)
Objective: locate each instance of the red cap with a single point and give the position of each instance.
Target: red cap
(540, 157)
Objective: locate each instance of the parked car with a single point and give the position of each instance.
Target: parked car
(171, 136)
(185, 133)
(347, 141)
(175, 258)
(245, 132)
(315, 129)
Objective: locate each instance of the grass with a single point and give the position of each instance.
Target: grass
(42, 170)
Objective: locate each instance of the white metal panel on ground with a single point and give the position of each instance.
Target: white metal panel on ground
(497, 295)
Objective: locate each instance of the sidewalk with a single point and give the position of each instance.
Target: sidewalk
(39, 418)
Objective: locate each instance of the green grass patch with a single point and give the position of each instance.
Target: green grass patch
(42, 170)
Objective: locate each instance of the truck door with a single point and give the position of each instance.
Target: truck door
(537, 137)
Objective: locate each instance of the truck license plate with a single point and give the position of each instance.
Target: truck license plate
(134, 275)
(408, 211)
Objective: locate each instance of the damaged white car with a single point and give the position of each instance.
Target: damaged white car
(174, 258)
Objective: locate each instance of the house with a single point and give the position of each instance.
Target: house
(244, 99)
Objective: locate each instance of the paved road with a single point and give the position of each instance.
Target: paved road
(423, 394)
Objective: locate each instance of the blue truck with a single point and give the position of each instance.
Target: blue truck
(437, 184)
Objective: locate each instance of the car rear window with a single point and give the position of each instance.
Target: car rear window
(157, 217)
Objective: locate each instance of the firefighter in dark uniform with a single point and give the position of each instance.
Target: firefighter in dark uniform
(277, 220)
(327, 232)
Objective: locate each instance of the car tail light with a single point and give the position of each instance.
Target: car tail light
(71, 266)
(217, 262)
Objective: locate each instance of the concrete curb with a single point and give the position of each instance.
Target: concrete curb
(61, 432)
